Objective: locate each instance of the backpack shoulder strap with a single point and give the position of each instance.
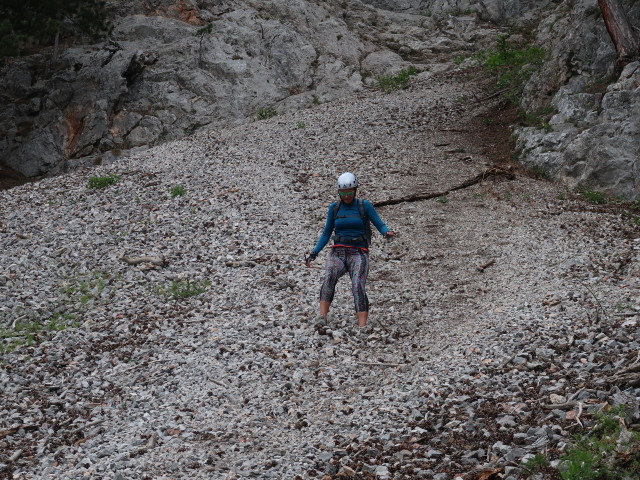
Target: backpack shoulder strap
(336, 207)
(363, 214)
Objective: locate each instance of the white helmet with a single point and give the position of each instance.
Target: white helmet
(347, 180)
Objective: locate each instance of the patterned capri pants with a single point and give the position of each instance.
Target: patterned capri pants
(340, 261)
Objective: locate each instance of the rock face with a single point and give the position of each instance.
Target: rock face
(592, 140)
(163, 76)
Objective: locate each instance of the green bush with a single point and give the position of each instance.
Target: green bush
(102, 182)
(266, 112)
(401, 80)
(511, 66)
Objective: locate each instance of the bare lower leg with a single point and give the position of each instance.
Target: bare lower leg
(362, 318)
(324, 308)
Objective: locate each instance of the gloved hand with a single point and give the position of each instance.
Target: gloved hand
(312, 256)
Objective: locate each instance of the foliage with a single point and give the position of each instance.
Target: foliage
(178, 191)
(536, 463)
(608, 452)
(401, 80)
(300, 125)
(102, 182)
(266, 112)
(443, 199)
(204, 30)
(31, 332)
(593, 196)
(27, 22)
(511, 66)
(181, 289)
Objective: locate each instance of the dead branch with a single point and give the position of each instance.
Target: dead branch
(578, 415)
(221, 194)
(559, 406)
(629, 377)
(481, 268)
(490, 172)
(379, 364)
(159, 261)
(493, 95)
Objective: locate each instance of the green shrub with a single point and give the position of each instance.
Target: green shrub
(178, 191)
(300, 125)
(266, 112)
(511, 66)
(102, 182)
(401, 80)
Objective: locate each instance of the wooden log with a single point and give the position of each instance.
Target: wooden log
(620, 31)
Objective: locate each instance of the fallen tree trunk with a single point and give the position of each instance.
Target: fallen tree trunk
(620, 31)
(490, 172)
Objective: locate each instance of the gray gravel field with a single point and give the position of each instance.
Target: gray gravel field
(493, 304)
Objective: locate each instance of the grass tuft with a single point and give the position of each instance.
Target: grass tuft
(102, 182)
(178, 191)
(399, 81)
(266, 112)
(593, 196)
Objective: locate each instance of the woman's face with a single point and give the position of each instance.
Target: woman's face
(347, 195)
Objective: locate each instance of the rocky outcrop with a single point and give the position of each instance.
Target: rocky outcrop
(592, 139)
(162, 76)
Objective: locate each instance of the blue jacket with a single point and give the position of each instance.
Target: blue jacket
(353, 226)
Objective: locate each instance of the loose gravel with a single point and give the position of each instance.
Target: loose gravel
(127, 372)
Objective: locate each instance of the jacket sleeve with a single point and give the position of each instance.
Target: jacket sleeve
(326, 233)
(375, 219)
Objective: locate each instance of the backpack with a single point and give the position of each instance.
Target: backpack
(365, 220)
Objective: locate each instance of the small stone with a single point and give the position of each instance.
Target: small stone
(557, 399)
(348, 471)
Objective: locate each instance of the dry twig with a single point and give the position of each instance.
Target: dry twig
(481, 268)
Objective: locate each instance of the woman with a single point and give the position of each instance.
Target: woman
(349, 218)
